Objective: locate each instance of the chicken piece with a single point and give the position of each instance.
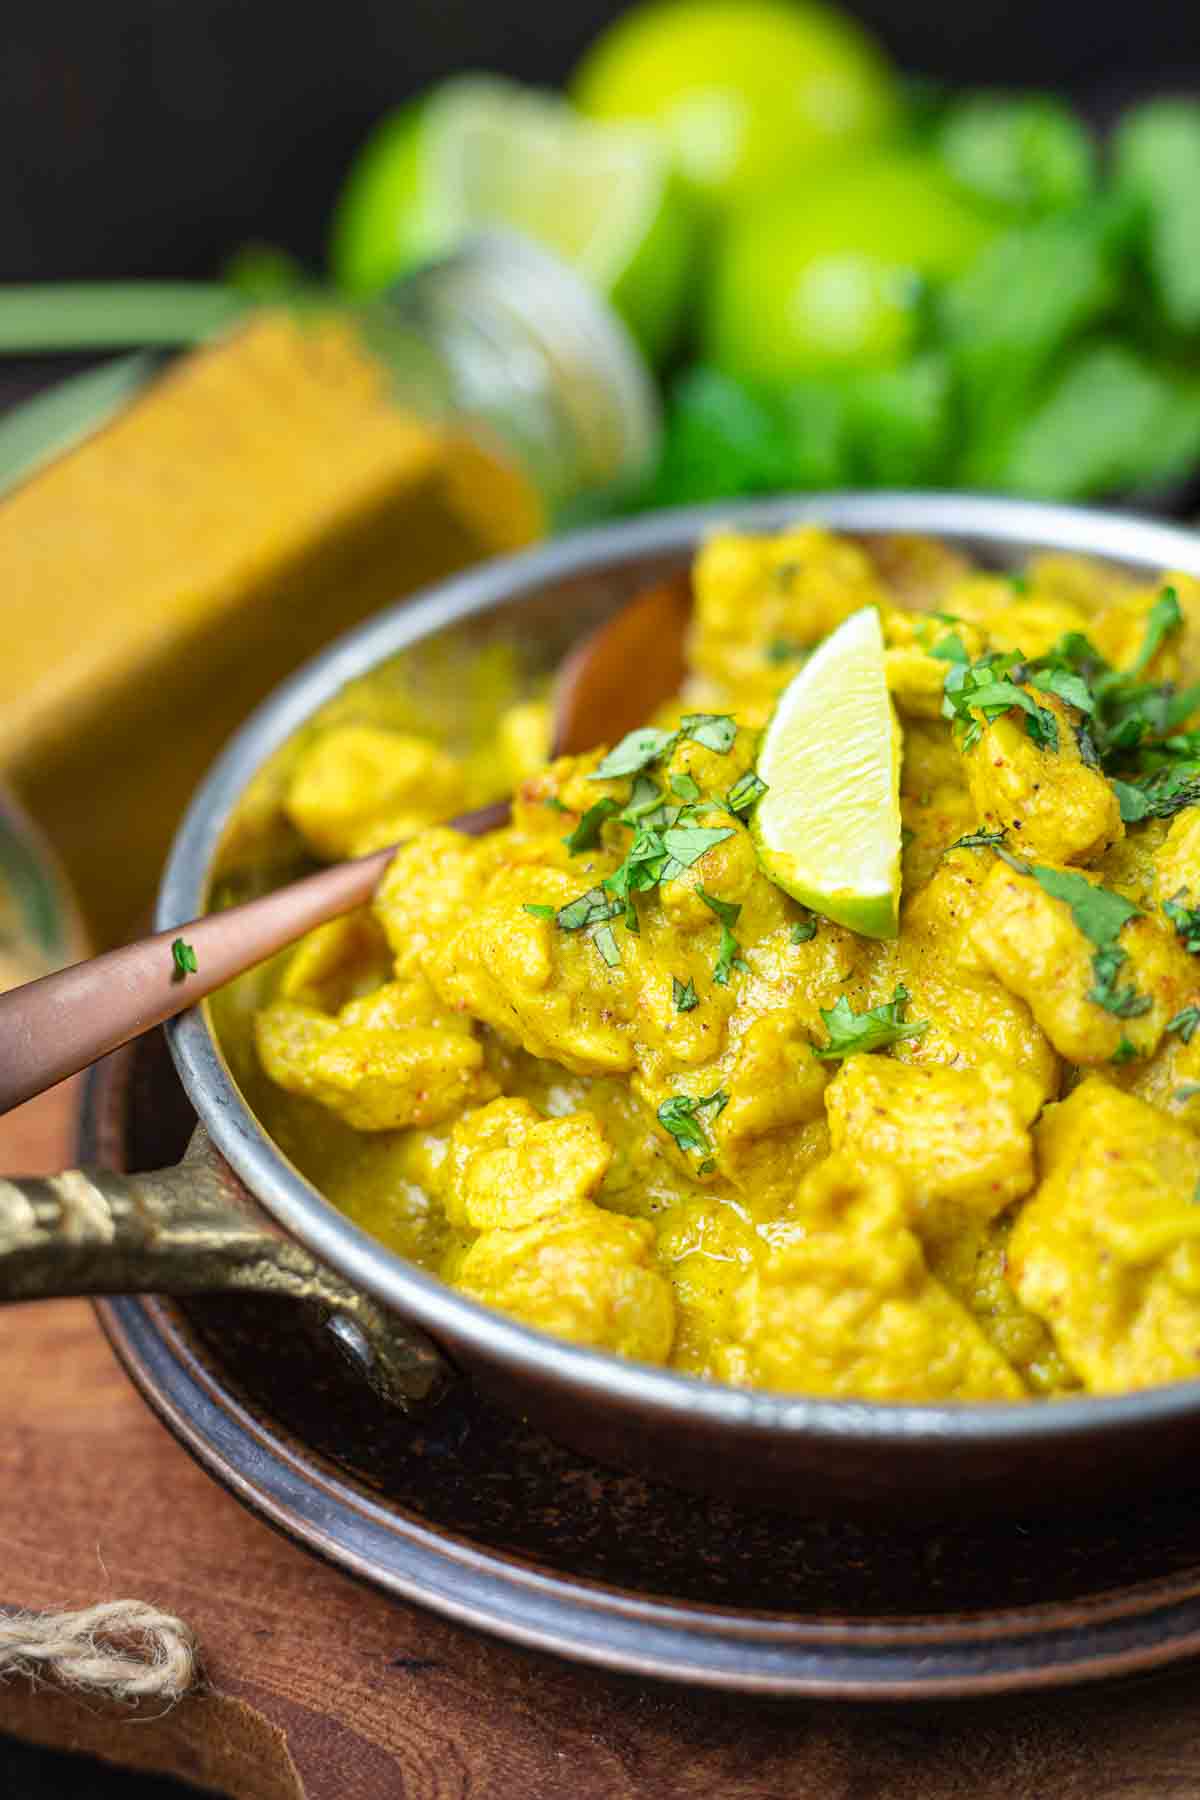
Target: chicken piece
(389, 1060)
(360, 786)
(962, 1148)
(1030, 941)
(584, 1274)
(1083, 582)
(508, 1167)
(431, 884)
(760, 599)
(1119, 633)
(1051, 802)
(972, 1019)
(843, 1304)
(337, 962)
(1012, 618)
(1177, 861)
(1108, 1249)
(706, 1247)
(972, 1265)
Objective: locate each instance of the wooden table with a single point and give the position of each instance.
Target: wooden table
(322, 1689)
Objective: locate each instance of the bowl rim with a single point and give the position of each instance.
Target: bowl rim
(987, 524)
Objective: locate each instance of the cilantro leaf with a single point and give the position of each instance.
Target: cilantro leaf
(1123, 1002)
(636, 750)
(728, 911)
(1165, 793)
(684, 994)
(1069, 687)
(805, 927)
(678, 1116)
(977, 840)
(985, 687)
(1124, 1052)
(606, 944)
(685, 787)
(744, 794)
(1100, 915)
(1164, 617)
(1184, 1023)
(728, 957)
(716, 731)
(184, 959)
(853, 1034)
(645, 798)
(951, 649)
(687, 844)
(537, 911)
(782, 650)
(587, 832)
(592, 908)
(1186, 920)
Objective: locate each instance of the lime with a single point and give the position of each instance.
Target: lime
(827, 830)
(744, 89)
(832, 276)
(480, 152)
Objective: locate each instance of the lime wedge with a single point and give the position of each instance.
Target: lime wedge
(827, 830)
(480, 152)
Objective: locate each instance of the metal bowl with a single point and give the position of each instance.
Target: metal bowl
(779, 1448)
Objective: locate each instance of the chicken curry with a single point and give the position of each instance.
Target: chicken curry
(599, 1072)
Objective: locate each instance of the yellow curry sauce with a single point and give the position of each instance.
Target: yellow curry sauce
(646, 1140)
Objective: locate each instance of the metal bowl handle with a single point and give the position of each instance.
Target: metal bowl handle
(193, 1229)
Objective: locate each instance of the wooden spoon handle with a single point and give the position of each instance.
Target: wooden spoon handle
(63, 1022)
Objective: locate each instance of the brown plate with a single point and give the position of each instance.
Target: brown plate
(485, 1520)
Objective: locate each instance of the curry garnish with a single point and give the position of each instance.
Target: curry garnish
(805, 928)
(684, 994)
(587, 832)
(1124, 1052)
(744, 793)
(1186, 920)
(852, 1034)
(536, 910)
(728, 957)
(606, 944)
(977, 840)
(1100, 914)
(184, 958)
(1184, 1023)
(592, 908)
(986, 687)
(678, 1116)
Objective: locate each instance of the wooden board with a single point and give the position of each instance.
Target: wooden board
(318, 1688)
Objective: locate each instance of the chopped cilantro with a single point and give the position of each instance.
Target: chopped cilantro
(716, 731)
(744, 793)
(1019, 582)
(805, 927)
(1163, 794)
(646, 798)
(1184, 1023)
(1186, 920)
(707, 1166)
(951, 649)
(687, 844)
(852, 1034)
(553, 802)
(1187, 1092)
(587, 832)
(782, 650)
(728, 911)
(184, 958)
(684, 787)
(1122, 1002)
(1124, 1052)
(678, 1116)
(728, 957)
(1100, 915)
(978, 840)
(537, 911)
(636, 750)
(907, 834)
(1164, 617)
(985, 687)
(1068, 686)
(684, 994)
(606, 944)
(592, 908)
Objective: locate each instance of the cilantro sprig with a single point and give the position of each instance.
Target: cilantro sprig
(1101, 915)
(854, 1034)
(678, 1117)
(987, 687)
(729, 950)
(1186, 920)
(648, 744)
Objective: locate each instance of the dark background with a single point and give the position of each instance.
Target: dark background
(148, 137)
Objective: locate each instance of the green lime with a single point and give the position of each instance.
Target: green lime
(745, 90)
(480, 152)
(831, 276)
(827, 830)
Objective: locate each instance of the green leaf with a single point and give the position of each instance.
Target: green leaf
(1156, 156)
(977, 840)
(951, 649)
(537, 911)
(745, 794)
(636, 750)
(1071, 688)
(783, 650)
(644, 800)
(1123, 1002)
(606, 944)
(592, 908)
(728, 911)
(1186, 920)
(1124, 1052)
(1097, 911)
(853, 1034)
(805, 928)
(184, 959)
(1028, 153)
(1164, 617)
(685, 787)
(587, 832)
(687, 844)
(684, 994)
(678, 1116)
(1184, 1023)
(716, 731)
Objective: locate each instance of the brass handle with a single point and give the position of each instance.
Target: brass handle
(194, 1229)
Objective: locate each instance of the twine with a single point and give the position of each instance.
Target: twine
(121, 1648)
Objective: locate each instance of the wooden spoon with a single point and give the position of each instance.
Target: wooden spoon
(50, 1028)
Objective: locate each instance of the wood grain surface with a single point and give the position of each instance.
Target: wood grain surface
(318, 1688)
